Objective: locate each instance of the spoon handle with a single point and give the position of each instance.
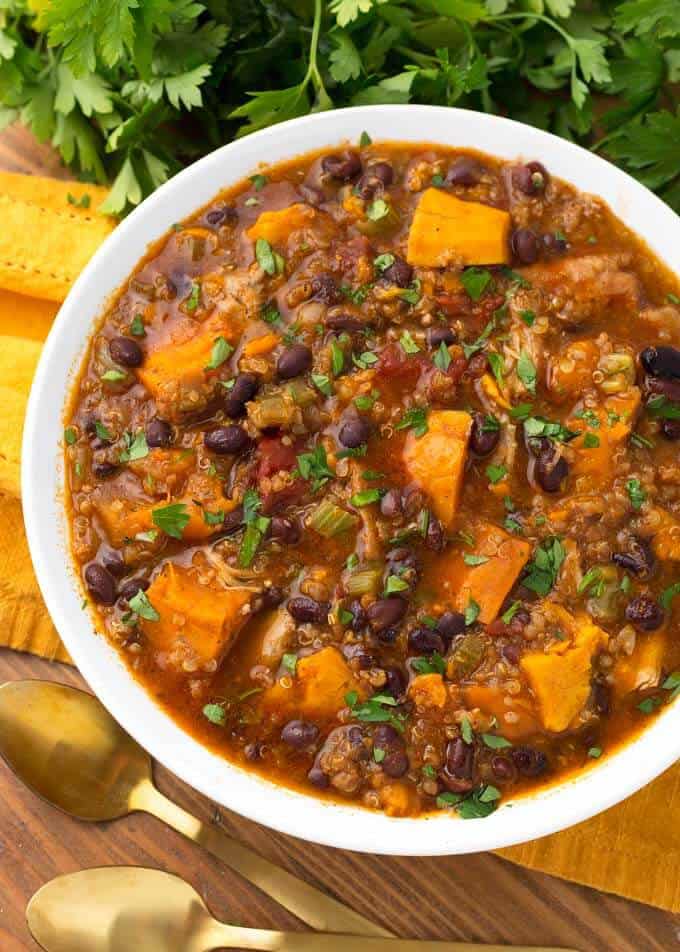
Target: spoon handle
(218, 935)
(309, 904)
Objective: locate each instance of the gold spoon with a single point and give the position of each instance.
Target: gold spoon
(119, 908)
(65, 746)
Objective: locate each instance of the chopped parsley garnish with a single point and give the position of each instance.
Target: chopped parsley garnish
(434, 664)
(497, 363)
(102, 432)
(365, 360)
(323, 384)
(395, 584)
(192, 301)
(137, 328)
(470, 349)
(526, 371)
(215, 713)
(289, 662)
(383, 262)
(269, 260)
(438, 180)
(270, 313)
(471, 612)
(649, 705)
(414, 419)
(407, 344)
(141, 606)
(259, 182)
(337, 358)
(365, 401)
(377, 709)
(377, 210)
(466, 730)
(490, 424)
(636, 493)
(82, 202)
(496, 473)
(595, 752)
(522, 411)
(544, 568)
(352, 452)
(113, 376)
(495, 741)
(221, 351)
(378, 754)
(535, 427)
(672, 684)
(256, 526)
(476, 805)
(314, 467)
(590, 441)
(213, 518)
(638, 440)
(442, 358)
(411, 294)
(508, 615)
(364, 140)
(136, 447)
(592, 582)
(672, 298)
(476, 281)
(668, 595)
(528, 317)
(356, 295)
(70, 436)
(171, 519)
(470, 559)
(365, 498)
(660, 406)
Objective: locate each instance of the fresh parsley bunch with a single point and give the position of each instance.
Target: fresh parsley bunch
(129, 91)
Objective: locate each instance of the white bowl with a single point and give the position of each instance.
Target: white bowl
(333, 824)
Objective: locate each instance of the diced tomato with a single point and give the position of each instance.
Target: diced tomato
(394, 362)
(274, 455)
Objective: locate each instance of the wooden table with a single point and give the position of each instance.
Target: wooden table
(476, 898)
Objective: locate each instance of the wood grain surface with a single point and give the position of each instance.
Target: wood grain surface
(478, 898)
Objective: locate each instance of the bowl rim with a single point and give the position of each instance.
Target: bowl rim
(292, 812)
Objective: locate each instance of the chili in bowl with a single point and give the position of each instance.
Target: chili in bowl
(370, 473)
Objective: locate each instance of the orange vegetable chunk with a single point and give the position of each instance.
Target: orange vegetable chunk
(515, 713)
(559, 677)
(446, 230)
(436, 461)
(617, 418)
(428, 690)
(202, 618)
(277, 226)
(642, 669)
(319, 686)
(489, 583)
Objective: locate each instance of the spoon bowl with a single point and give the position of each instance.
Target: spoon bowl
(69, 750)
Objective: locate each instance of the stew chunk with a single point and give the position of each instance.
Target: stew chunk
(436, 461)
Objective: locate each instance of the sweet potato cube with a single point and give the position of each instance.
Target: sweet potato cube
(616, 418)
(486, 584)
(277, 226)
(446, 230)
(193, 615)
(666, 539)
(436, 461)
(319, 687)
(515, 713)
(560, 676)
(428, 690)
(571, 370)
(399, 799)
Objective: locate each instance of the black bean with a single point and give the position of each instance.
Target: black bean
(450, 624)
(103, 468)
(325, 289)
(272, 596)
(299, 734)
(520, 619)
(403, 563)
(386, 612)
(638, 559)
(296, 360)
(645, 613)
(459, 761)
(440, 334)
(661, 361)
(413, 500)
(130, 588)
(478, 365)
(311, 194)
(225, 214)
(671, 429)
(159, 433)
(395, 763)
(396, 682)
(113, 562)
(358, 654)
(602, 698)
(359, 616)
(354, 432)
(465, 171)
(344, 167)
(286, 529)
(425, 641)
(386, 736)
(399, 272)
(375, 179)
(503, 768)
(306, 609)
(524, 245)
(483, 439)
(232, 522)
(318, 778)
(554, 244)
(531, 178)
(550, 468)
(512, 653)
(100, 584)
(245, 387)
(344, 322)
(225, 440)
(126, 352)
(434, 537)
(390, 504)
(529, 761)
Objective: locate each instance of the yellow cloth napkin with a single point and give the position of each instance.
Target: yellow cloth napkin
(633, 849)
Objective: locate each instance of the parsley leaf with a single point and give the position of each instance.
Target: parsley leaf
(221, 351)
(476, 281)
(526, 371)
(171, 519)
(314, 467)
(415, 419)
(544, 568)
